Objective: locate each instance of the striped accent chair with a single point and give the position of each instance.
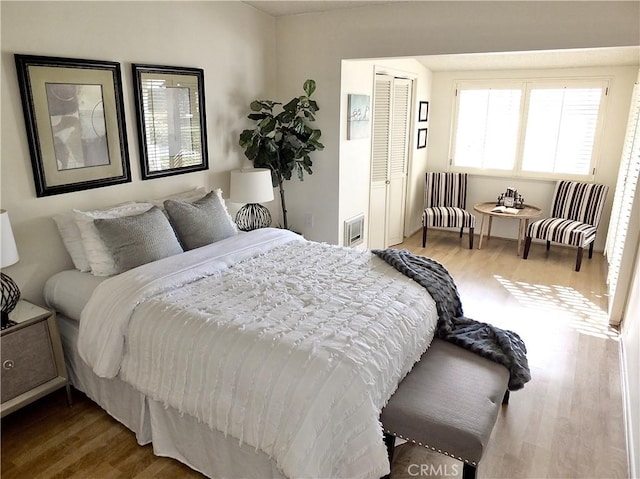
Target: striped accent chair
(575, 215)
(445, 200)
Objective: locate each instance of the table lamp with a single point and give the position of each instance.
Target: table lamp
(252, 186)
(8, 256)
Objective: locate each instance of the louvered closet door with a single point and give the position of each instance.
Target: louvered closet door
(391, 110)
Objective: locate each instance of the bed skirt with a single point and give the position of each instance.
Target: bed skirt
(178, 436)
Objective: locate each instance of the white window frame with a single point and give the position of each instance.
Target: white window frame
(526, 85)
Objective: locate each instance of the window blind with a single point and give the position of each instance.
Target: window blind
(525, 127)
(487, 128)
(625, 193)
(560, 130)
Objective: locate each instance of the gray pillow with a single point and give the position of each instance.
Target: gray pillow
(138, 239)
(202, 222)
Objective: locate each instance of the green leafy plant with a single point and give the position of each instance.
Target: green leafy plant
(282, 141)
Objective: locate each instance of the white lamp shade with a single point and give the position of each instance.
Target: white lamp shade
(9, 251)
(251, 185)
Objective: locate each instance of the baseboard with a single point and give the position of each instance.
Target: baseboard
(626, 409)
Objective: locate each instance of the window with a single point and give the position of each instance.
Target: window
(528, 128)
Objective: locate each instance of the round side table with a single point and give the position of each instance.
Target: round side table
(524, 215)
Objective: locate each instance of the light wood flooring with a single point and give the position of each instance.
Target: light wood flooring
(566, 423)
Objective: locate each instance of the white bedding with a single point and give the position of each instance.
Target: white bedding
(292, 347)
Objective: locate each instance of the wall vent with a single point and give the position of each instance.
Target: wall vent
(354, 231)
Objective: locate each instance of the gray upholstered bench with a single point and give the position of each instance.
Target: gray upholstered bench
(448, 403)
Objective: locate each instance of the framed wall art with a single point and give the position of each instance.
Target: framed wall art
(358, 123)
(423, 111)
(170, 114)
(75, 124)
(422, 138)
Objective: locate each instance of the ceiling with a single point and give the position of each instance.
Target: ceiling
(281, 8)
(574, 58)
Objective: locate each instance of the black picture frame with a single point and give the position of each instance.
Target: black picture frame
(422, 138)
(74, 118)
(423, 111)
(170, 99)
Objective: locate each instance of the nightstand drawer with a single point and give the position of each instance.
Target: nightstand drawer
(27, 360)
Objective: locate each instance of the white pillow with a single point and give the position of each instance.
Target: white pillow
(191, 195)
(100, 259)
(70, 234)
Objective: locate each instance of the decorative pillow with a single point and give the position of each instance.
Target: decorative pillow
(202, 222)
(100, 259)
(72, 240)
(138, 239)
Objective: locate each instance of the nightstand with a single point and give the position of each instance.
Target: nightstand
(32, 361)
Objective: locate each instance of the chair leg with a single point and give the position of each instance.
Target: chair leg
(468, 471)
(548, 245)
(461, 230)
(470, 238)
(591, 250)
(424, 235)
(527, 245)
(389, 442)
(579, 258)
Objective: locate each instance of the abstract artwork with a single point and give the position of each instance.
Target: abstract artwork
(78, 125)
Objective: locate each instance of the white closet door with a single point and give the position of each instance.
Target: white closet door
(380, 161)
(390, 149)
(398, 155)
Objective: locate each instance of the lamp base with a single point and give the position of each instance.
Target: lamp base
(10, 297)
(252, 216)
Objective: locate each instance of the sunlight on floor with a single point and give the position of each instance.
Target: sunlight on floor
(584, 316)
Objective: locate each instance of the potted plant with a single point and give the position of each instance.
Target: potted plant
(283, 140)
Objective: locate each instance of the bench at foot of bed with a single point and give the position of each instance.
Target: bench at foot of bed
(448, 403)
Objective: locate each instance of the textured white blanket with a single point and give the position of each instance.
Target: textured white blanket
(290, 346)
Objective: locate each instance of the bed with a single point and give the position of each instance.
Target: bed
(259, 354)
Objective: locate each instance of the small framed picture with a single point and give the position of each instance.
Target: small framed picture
(358, 123)
(422, 138)
(423, 111)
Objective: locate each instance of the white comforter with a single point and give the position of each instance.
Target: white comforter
(290, 346)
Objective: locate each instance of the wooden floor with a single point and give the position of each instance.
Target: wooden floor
(566, 423)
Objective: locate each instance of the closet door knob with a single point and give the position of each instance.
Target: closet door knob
(8, 364)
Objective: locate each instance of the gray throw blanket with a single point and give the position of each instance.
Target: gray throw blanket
(499, 345)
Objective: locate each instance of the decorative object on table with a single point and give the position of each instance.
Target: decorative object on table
(75, 123)
(511, 199)
(252, 186)
(423, 111)
(422, 138)
(359, 121)
(445, 202)
(170, 113)
(9, 251)
(567, 224)
(283, 141)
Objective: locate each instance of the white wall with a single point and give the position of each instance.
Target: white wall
(234, 44)
(313, 46)
(355, 155)
(631, 347)
(535, 192)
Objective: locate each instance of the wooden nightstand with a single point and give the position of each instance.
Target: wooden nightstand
(32, 361)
